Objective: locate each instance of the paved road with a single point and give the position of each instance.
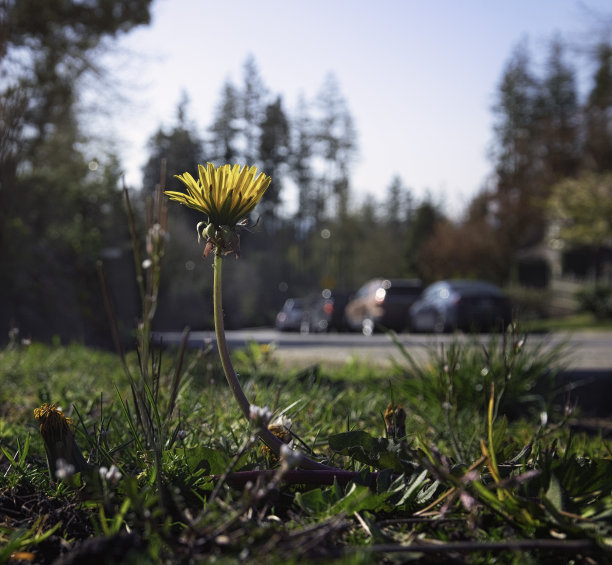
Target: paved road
(586, 350)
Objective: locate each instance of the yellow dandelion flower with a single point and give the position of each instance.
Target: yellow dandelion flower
(226, 195)
(58, 438)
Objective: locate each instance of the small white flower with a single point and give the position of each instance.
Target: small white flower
(64, 470)
(147, 263)
(259, 416)
(282, 422)
(289, 455)
(112, 475)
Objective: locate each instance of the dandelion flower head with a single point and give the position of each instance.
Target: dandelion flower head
(226, 194)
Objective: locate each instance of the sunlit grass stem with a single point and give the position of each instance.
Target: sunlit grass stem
(265, 435)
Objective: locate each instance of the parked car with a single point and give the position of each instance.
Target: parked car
(382, 303)
(291, 315)
(461, 304)
(325, 312)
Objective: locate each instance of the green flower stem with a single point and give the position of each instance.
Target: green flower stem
(226, 362)
(265, 435)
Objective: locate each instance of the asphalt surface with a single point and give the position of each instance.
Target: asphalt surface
(583, 351)
(585, 375)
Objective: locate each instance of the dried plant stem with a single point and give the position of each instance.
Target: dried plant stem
(264, 434)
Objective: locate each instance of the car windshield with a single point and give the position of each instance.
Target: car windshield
(471, 288)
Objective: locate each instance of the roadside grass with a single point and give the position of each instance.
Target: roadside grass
(487, 469)
(469, 458)
(582, 321)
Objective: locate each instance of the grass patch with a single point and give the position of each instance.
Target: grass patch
(467, 458)
(583, 321)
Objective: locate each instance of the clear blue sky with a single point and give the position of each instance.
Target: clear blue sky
(419, 76)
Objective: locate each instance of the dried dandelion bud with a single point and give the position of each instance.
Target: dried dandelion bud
(58, 438)
(395, 420)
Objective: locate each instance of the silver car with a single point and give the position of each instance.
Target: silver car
(291, 315)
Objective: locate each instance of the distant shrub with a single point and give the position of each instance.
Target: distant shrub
(596, 299)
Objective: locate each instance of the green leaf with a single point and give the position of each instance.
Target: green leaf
(359, 498)
(312, 502)
(328, 502)
(201, 459)
(555, 493)
(380, 453)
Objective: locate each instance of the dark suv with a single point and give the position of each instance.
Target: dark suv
(382, 303)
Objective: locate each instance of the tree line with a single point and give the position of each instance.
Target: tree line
(549, 189)
(59, 202)
(551, 151)
(61, 208)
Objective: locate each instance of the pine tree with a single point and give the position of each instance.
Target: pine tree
(516, 206)
(336, 145)
(310, 204)
(273, 154)
(179, 146)
(556, 120)
(224, 129)
(252, 110)
(598, 114)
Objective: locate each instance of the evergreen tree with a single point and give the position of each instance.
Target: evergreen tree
(183, 287)
(180, 147)
(224, 129)
(273, 154)
(310, 203)
(520, 152)
(598, 114)
(514, 109)
(252, 110)
(514, 154)
(556, 120)
(398, 204)
(336, 145)
(420, 229)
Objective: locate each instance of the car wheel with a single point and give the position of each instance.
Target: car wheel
(367, 327)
